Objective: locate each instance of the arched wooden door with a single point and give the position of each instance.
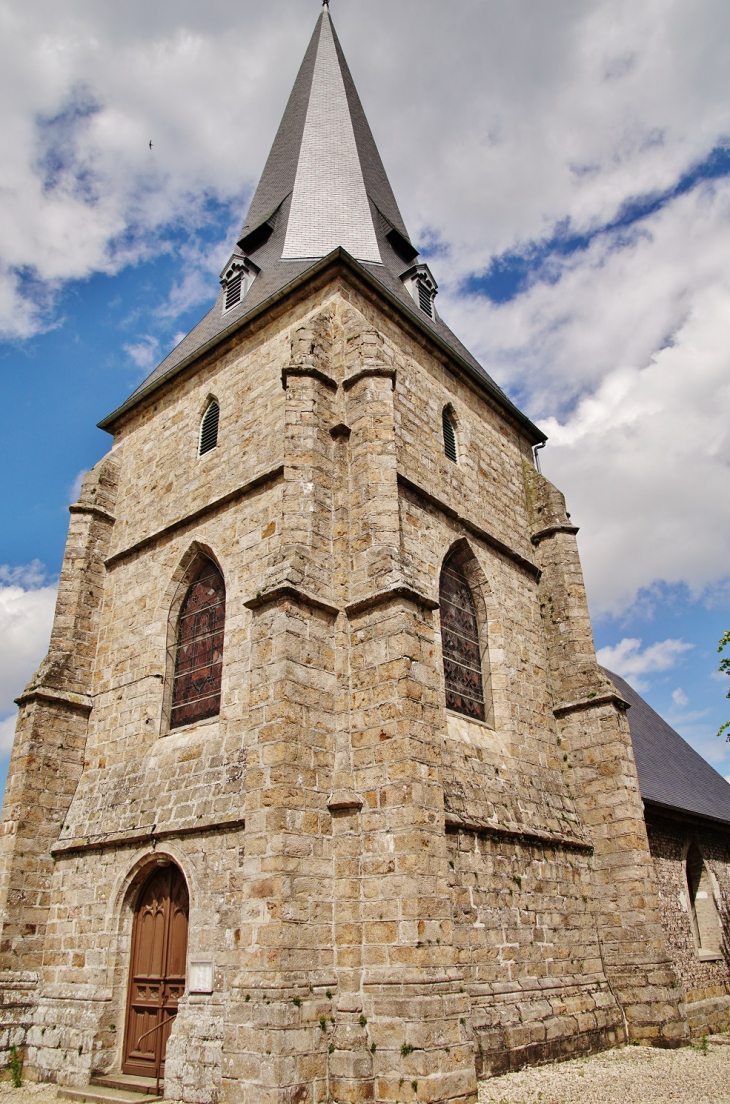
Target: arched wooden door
(157, 970)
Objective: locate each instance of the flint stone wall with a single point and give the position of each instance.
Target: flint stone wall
(706, 981)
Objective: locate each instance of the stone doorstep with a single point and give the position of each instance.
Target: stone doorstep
(97, 1094)
(128, 1082)
(114, 1090)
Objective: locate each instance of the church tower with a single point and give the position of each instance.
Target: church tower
(320, 794)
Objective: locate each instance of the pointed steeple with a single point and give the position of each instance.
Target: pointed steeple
(325, 165)
(323, 189)
(329, 204)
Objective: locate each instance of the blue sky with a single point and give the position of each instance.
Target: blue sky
(567, 172)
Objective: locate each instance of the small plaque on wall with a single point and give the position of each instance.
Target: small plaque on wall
(201, 977)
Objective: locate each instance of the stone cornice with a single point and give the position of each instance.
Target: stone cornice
(390, 595)
(149, 833)
(590, 702)
(286, 590)
(95, 511)
(308, 371)
(551, 530)
(81, 703)
(371, 601)
(255, 484)
(370, 373)
(344, 801)
(456, 823)
(488, 538)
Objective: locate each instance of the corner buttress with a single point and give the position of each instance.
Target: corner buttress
(595, 738)
(48, 752)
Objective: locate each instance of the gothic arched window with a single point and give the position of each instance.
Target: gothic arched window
(460, 643)
(705, 921)
(196, 688)
(209, 428)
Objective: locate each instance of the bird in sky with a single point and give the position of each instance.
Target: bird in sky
(150, 143)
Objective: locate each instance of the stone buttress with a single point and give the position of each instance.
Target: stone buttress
(48, 753)
(595, 738)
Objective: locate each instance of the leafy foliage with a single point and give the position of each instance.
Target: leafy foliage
(724, 668)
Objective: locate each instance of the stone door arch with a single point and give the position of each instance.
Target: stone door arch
(156, 971)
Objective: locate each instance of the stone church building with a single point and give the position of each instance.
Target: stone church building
(320, 793)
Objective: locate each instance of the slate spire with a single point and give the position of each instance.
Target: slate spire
(324, 165)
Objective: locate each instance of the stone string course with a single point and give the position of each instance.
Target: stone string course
(370, 940)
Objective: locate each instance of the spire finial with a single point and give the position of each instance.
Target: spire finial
(326, 4)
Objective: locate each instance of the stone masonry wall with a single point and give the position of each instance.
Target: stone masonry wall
(706, 980)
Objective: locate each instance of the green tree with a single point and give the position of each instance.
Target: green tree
(725, 669)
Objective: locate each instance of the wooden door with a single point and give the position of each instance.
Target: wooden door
(157, 970)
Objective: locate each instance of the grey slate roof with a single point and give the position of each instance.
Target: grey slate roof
(671, 773)
(264, 234)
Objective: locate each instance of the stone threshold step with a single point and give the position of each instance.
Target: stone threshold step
(102, 1094)
(132, 1082)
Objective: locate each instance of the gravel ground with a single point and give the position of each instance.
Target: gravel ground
(630, 1075)
(28, 1094)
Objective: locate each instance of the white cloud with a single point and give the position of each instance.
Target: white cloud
(27, 603)
(144, 352)
(628, 345)
(75, 489)
(7, 733)
(30, 576)
(629, 661)
(679, 698)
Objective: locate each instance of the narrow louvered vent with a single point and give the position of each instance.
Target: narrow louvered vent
(425, 299)
(209, 429)
(449, 437)
(233, 289)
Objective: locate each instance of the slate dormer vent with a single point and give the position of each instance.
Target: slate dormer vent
(236, 278)
(422, 287)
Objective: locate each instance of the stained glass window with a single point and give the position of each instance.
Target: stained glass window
(196, 692)
(460, 643)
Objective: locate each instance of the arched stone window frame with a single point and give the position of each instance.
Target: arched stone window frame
(188, 570)
(463, 556)
(704, 910)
